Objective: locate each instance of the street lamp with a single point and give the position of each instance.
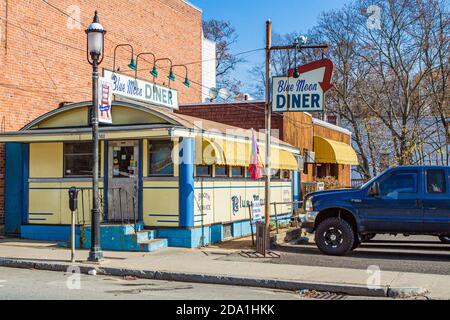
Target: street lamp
(171, 74)
(154, 72)
(132, 65)
(95, 49)
(186, 82)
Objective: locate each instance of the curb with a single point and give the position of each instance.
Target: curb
(291, 285)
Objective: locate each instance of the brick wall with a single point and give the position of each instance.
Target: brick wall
(245, 115)
(43, 52)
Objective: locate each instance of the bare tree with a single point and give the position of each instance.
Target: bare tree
(224, 35)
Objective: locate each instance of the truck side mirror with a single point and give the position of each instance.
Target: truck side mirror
(73, 199)
(374, 189)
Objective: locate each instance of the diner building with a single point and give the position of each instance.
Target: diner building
(166, 178)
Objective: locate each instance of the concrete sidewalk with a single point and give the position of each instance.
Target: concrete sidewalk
(205, 265)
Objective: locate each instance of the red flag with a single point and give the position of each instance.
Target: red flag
(255, 167)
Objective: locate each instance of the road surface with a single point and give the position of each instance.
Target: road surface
(420, 254)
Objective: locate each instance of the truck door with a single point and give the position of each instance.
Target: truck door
(398, 206)
(436, 202)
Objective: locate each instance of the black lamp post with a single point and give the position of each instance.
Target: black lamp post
(95, 49)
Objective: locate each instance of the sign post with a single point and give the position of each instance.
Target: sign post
(268, 110)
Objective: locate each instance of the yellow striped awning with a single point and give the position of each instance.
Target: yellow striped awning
(209, 152)
(236, 153)
(332, 151)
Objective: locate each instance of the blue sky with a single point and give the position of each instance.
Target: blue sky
(249, 16)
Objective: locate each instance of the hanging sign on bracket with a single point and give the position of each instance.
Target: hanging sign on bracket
(305, 93)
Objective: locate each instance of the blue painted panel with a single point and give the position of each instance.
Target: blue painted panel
(47, 233)
(296, 187)
(186, 182)
(105, 180)
(16, 187)
(141, 181)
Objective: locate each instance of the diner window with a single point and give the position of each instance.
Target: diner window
(276, 174)
(286, 174)
(237, 172)
(436, 181)
(160, 158)
(203, 171)
(222, 171)
(78, 159)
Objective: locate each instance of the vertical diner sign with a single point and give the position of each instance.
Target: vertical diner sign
(105, 87)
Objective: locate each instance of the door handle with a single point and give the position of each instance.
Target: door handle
(419, 202)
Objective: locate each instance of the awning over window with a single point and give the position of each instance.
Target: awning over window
(209, 152)
(235, 153)
(331, 151)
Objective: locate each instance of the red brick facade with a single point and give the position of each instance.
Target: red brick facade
(43, 51)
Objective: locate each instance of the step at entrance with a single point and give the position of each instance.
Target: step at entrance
(129, 237)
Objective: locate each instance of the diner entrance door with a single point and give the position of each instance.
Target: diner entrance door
(123, 181)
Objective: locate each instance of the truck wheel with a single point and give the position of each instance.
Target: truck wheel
(445, 239)
(334, 236)
(356, 242)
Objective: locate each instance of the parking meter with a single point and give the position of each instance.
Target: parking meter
(73, 199)
(73, 205)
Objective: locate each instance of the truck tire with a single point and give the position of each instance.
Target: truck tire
(334, 236)
(445, 239)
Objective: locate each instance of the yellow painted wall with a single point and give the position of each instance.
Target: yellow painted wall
(49, 202)
(213, 199)
(160, 204)
(46, 160)
(77, 117)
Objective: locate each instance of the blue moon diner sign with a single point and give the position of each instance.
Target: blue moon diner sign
(141, 90)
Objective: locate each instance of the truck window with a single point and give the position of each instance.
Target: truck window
(401, 182)
(436, 181)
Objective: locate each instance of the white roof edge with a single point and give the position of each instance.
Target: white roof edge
(331, 126)
(192, 5)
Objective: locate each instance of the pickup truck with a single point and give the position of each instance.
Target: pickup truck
(402, 200)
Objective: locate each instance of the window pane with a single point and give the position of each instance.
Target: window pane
(237, 172)
(203, 171)
(399, 183)
(221, 171)
(436, 181)
(124, 164)
(78, 160)
(160, 158)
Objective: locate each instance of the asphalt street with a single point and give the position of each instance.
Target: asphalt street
(420, 254)
(27, 284)
(51, 285)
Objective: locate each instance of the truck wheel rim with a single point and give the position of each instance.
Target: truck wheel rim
(333, 237)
